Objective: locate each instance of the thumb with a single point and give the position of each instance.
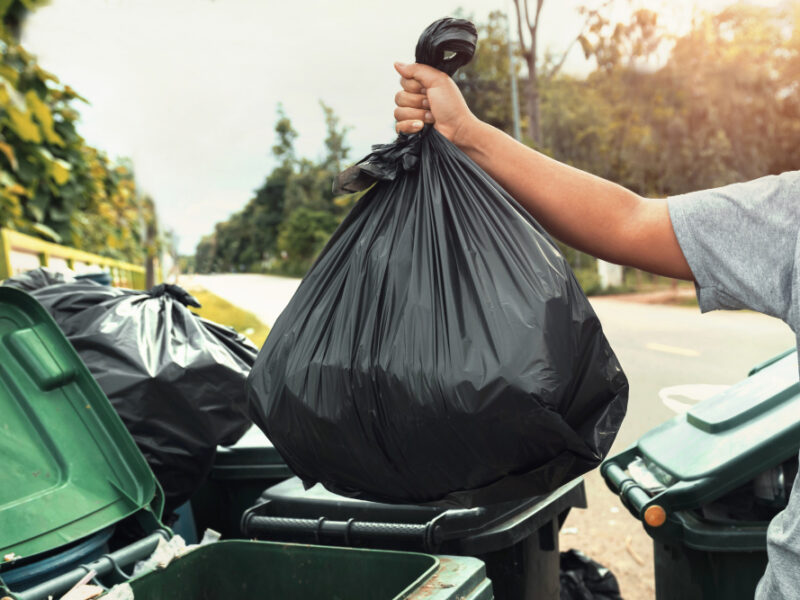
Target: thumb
(425, 75)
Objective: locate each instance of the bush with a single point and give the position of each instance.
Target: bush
(589, 280)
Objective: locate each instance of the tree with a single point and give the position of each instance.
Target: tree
(336, 149)
(283, 149)
(266, 209)
(13, 14)
(205, 254)
(291, 215)
(303, 235)
(485, 80)
(52, 184)
(530, 52)
(723, 106)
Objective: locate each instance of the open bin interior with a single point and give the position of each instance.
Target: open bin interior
(238, 569)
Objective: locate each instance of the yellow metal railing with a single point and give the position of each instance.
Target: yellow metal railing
(12, 242)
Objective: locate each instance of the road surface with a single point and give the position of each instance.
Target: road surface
(672, 356)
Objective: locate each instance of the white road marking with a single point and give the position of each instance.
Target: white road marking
(671, 349)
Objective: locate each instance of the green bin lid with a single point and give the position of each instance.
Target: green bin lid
(70, 468)
(718, 445)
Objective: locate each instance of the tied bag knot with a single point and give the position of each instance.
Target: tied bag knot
(175, 292)
(446, 45)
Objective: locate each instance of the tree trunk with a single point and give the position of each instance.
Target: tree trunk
(532, 102)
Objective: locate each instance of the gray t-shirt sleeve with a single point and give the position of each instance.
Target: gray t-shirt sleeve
(742, 242)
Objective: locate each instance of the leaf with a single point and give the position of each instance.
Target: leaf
(586, 45)
(4, 6)
(57, 169)
(17, 190)
(9, 73)
(9, 96)
(8, 151)
(24, 127)
(44, 116)
(70, 93)
(36, 212)
(60, 171)
(46, 232)
(45, 75)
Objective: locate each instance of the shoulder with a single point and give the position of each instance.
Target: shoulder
(779, 193)
(765, 206)
(742, 243)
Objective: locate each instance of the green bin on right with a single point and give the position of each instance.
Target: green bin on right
(706, 484)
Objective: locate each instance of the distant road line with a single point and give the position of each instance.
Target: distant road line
(671, 349)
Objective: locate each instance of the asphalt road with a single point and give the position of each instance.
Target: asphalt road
(662, 347)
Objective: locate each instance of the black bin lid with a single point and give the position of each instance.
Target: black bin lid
(289, 512)
(252, 457)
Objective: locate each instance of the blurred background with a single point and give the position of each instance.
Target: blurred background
(198, 139)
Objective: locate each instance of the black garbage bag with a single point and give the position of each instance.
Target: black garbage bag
(440, 349)
(176, 380)
(582, 578)
(36, 279)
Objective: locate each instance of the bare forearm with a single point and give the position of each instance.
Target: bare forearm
(587, 212)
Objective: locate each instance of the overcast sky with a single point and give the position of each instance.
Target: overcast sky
(188, 88)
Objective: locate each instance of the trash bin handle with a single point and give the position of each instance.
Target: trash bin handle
(350, 531)
(634, 496)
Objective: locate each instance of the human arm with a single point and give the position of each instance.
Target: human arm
(587, 212)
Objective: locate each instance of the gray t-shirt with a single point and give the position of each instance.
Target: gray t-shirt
(742, 243)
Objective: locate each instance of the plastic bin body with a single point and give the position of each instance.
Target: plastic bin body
(683, 573)
(518, 541)
(240, 474)
(239, 569)
(694, 471)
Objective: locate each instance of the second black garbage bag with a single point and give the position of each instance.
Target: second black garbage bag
(176, 380)
(440, 349)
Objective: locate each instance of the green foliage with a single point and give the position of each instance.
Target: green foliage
(303, 234)
(485, 81)
(722, 108)
(284, 226)
(12, 15)
(52, 184)
(221, 311)
(589, 281)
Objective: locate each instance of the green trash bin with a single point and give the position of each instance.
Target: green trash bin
(705, 484)
(76, 495)
(264, 570)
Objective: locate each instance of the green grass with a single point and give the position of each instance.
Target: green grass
(223, 312)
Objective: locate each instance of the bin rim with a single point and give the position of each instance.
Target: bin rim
(318, 516)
